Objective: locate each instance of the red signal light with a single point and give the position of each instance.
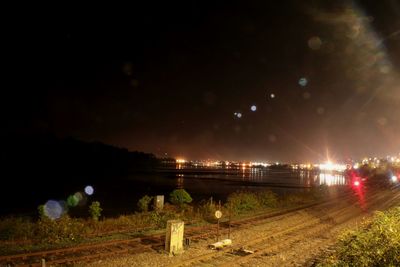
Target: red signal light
(356, 183)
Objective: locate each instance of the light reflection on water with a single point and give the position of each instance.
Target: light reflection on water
(180, 181)
(202, 183)
(263, 176)
(331, 179)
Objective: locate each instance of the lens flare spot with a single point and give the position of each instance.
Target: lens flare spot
(303, 82)
(53, 209)
(314, 43)
(89, 190)
(72, 201)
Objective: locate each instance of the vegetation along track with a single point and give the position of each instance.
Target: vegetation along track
(210, 231)
(319, 222)
(91, 252)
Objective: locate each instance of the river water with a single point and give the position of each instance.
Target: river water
(119, 195)
(206, 183)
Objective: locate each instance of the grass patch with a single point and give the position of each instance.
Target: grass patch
(45, 233)
(375, 243)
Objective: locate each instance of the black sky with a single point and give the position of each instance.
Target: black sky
(167, 77)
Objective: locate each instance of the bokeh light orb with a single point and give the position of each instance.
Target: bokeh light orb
(72, 201)
(314, 43)
(253, 108)
(394, 178)
(89, 190)
(82, 199)
(303, 82)
(53, 209)
(272, 95)
(79, 196)
(239, 115)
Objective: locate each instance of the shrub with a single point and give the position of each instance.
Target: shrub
(16, 228)
(132, 222)
(267, 199)
(376, 243)
(60, 230)
(242, 202)
(160, 219)
(41, 212)
(207, 210)
(170, 208)
(143, 203)
(95, 210)
(180, 197)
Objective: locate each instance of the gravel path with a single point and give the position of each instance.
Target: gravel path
(294, 240)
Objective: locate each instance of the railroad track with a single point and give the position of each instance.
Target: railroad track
(271, 241)
(210, 231)
(80, 253)
(91, 252)
(325, 219)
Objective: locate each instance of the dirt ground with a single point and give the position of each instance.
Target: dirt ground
(294, 239)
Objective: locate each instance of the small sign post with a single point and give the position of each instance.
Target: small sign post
(158, 202)
(218, 215)
(229, 230)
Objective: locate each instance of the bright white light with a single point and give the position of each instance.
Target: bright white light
(180, 161)
(356, 183)
(89, 190)
(394, 178)
(272, 95)
(329, 166)
(258, 164)
(253, 108)
(237, 114)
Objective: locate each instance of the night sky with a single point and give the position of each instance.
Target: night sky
(174, 77)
